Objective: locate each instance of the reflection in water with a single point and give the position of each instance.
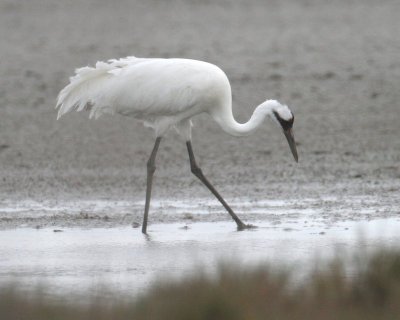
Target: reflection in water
(123, 260)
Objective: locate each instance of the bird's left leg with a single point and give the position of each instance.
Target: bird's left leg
(199, 174)
(151, 168)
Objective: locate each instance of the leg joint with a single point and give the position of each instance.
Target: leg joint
(196, 170)
(151, 167)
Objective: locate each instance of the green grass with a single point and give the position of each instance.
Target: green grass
(371, 292)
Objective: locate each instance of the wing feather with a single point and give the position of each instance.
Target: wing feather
(86, 88)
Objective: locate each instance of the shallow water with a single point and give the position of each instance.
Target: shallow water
(102, 261)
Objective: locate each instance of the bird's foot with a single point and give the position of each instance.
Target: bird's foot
(243, 226)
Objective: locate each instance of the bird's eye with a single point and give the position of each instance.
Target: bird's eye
(286, 124)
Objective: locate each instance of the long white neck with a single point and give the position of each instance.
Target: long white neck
(228, 123)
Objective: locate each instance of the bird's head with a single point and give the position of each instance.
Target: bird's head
(283, 117)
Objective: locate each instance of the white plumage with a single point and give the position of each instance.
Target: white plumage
(166, 93)
(161, 92)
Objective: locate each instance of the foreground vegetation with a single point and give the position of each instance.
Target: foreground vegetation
(371, 290)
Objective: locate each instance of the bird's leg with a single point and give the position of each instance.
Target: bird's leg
(150, 172)
(199, 174)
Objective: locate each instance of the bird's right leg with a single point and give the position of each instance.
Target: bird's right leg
(150, 172)
(199, 174)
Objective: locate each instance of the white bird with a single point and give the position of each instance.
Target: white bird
(164, 94)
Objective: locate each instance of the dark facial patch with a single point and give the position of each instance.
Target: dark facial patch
(286, 124)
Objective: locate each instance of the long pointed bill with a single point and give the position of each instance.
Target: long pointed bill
(292, 144)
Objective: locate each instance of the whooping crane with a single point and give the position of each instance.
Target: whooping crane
(166, 93)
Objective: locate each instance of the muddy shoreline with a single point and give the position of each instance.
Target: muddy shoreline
(339, 73)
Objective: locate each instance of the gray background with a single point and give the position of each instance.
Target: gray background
(335, 63)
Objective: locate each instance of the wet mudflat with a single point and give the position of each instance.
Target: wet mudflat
(322, 210)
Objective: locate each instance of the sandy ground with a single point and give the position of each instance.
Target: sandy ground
(335, 63)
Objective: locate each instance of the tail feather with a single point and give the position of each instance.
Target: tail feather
(85, 88)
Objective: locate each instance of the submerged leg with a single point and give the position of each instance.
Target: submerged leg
(199, 174)
(150, 172)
